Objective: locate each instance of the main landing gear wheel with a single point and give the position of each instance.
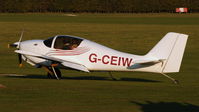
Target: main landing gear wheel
(111, 76)
(54, 73)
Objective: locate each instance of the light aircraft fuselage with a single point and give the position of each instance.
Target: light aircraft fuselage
(77, 53)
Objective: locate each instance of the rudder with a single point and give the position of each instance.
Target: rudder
(175, 58)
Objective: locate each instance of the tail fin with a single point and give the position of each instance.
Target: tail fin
(171, 49)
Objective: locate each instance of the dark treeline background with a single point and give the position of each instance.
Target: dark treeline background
(98, 6)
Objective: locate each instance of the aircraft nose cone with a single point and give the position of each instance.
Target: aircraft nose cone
(23, 45)
(31, 45)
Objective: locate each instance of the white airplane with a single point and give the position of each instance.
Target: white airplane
(70, 52)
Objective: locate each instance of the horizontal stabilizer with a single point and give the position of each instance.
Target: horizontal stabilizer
(148, 61)
(145, 63)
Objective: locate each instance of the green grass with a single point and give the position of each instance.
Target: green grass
(95, 92)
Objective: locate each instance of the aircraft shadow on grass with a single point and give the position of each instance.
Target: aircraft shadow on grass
(166, 107)
(32, 76)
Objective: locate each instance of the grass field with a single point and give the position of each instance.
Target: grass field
(95, 92)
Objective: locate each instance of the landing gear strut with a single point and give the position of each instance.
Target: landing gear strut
(111, 76)
(172, 79)
(53, 72)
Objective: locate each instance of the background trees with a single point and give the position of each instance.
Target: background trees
(99, 6)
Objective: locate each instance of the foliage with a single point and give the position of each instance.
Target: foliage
(97, 6)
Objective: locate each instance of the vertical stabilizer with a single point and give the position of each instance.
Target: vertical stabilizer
(171, 49)
(175, 58)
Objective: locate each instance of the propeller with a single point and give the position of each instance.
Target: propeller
(17, 45)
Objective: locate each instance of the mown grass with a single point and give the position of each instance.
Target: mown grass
(95, 92)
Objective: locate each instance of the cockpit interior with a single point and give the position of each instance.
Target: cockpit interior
(63, 42)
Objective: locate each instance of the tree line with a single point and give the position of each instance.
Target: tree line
(97, 6)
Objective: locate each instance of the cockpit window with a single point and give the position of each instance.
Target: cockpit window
(67, 42)
(48, 42)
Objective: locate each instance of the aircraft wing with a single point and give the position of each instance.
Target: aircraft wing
(65, 63)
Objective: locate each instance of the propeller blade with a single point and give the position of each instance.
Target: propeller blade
(20, 39)
(20, 60)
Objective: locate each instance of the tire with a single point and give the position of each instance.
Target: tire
(58, 72)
